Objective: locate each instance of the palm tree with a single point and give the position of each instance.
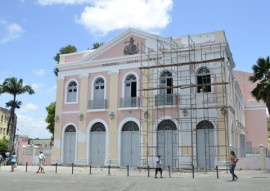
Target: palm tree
(261, 75)
(14, 87)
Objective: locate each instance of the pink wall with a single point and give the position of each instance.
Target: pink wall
(104, 115)
(122, 114)
(118, 49)
(255, 112)
(73, 57)
(246, 86)
(256, 126)
(70, 118)
(29, 157)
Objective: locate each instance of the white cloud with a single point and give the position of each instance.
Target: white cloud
(37, 86)
(108, 15)
(68, 2)
(10, 31)
(52, 89)
(34, 128)
(28, 107)
(39, 72)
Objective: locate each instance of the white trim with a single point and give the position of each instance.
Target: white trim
(70, 112)
(89, 126)
(97, 110)
(247, 108)
(128, 108)
(85, 74)
(98, 69)
(113, 71)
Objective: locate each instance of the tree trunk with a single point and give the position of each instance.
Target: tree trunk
(11, 129)
(268, 106)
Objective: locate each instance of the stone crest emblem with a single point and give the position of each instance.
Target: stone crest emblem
(131, 48)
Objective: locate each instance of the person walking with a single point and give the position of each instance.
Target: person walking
(233, 160)
(1, 159)
(41, 158)
(13, 160)
(158, 166)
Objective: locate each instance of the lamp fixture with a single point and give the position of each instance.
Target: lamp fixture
(146, 114)
(185, 112)
(223, 110)
(81, 116)
(57, 118)
(111, 115)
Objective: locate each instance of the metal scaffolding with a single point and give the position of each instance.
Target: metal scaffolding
(184, 103)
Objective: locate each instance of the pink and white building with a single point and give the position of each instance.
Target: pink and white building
(140, 95)
(254, 113)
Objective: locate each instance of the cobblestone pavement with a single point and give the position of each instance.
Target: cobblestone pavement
(99, 180)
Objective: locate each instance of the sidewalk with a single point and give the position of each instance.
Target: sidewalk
(99, 179)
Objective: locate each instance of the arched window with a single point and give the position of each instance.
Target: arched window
(203, 80)
(130, 126)
(167, 125)
(98, 127)
(70, 128)
(72, 92)
(130, 98)
(130, 86)
(166, 81)
(99, 92)
(99, 89)
(99, 84)
(205, 125)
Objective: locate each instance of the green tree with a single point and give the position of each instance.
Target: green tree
(261, 76)
(3, 144)
(50, 119)
(64, 50)
(14, 87)
(97, 45)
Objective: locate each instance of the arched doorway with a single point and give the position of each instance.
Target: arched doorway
(130, 144)
(69, 144)
(167, 143)
(205, 145)
(97, 144)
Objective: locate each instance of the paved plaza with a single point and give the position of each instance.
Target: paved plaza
(118, 180)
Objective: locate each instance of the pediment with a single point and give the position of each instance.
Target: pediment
(130, 42)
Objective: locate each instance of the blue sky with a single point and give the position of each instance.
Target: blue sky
(33, 31)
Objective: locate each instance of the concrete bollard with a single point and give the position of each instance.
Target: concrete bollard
(217, 172)
(261, 157)
(72, 167)
(148, 169)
